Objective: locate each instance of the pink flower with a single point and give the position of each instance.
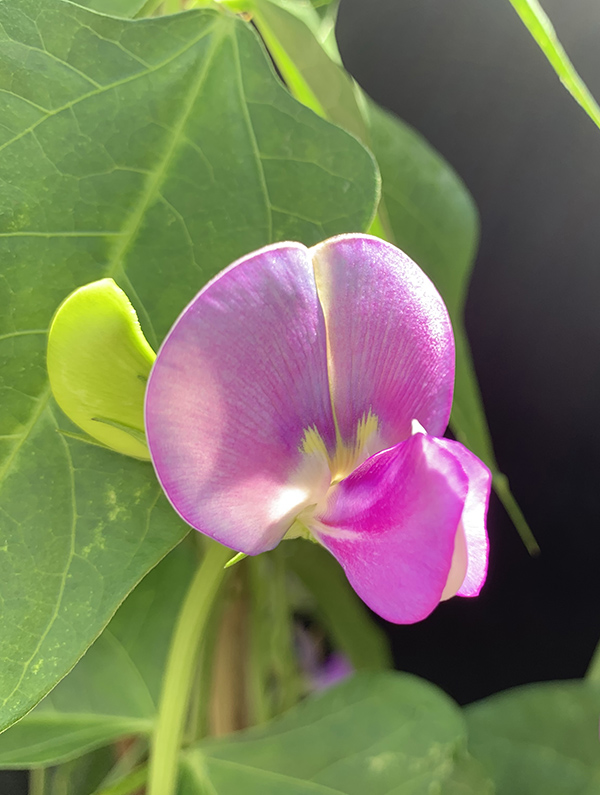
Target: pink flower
(303, 392)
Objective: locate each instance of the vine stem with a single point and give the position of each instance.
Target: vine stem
(181, 665)
(37, 781)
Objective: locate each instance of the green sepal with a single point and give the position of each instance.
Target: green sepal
(98, 363)
(235, 559)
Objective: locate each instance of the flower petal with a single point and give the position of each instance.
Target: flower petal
(239, 377)
(391, 348)
(392, 525)
(473, 520)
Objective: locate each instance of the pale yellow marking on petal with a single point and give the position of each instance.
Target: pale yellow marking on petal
(313, 444)
(346, 456)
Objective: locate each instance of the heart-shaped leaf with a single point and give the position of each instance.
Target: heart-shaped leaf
(154, 152)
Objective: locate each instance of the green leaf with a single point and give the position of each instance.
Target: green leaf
(540, 738)
(341, 612)
(114, 689)
(98, 364)
(539, 25)
(376, 733)
(153, 152)
(80, 526)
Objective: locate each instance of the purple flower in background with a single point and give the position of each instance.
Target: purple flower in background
(320, 670)
(303, 393)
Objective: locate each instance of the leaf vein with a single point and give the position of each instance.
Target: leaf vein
(42, 402)
(117, 84)
(253, 141)
(156, 178)
(52, 56)
(24, 333)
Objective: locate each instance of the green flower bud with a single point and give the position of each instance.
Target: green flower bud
(98, 363)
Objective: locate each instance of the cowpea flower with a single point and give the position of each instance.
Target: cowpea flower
(304, 392)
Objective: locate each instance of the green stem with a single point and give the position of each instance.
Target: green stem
(181, 666)
(593, 672)
(37, 781)
(131, 783)
(199, 721)
(511, 506)
(258, 653)
(126, 763)
(282, 634)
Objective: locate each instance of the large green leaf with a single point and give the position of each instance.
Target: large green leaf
(539, 25)
(539, 739)
(155, 152)
(114, 689)
(425, 208)
(376, 733)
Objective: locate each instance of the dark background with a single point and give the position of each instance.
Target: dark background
(468, 76)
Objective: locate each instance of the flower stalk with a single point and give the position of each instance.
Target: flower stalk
(181, 665)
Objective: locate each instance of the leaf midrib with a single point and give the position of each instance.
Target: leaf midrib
(155, 180)
(253, 141)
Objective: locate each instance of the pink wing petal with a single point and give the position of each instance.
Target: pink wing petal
(392, 525)
(391, 348)
(473, 520)
(239, 377)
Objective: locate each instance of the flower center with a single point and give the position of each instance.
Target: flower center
(341, 463)
(346, 457)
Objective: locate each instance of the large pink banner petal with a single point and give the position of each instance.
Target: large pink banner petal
(391, 347)
(241, 375)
